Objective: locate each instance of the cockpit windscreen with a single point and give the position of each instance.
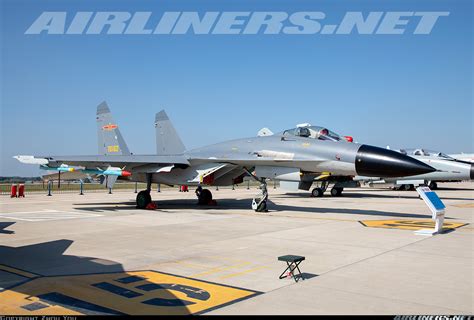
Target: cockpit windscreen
(315, 132)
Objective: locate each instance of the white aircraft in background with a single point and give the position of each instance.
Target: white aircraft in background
(469, 157)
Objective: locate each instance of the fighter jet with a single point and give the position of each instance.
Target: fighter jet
(469, 157)
(288, 158)
(448, 169)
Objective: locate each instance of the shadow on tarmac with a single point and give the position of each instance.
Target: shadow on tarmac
(49, 280)
(4, 225)
(277, 207)
(233, 204)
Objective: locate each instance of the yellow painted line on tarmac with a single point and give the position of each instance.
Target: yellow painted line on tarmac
(219, 269)
(243, 272)
(192, 265)
(409, 224)
(184, 263)
(226, 259)
(18, 271)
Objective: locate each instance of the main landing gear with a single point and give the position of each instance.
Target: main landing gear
(204, 196)
(143, 199)
(433, 185)
(319, 191)
(336, 192)
(144, 196)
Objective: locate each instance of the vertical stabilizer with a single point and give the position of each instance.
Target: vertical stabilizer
(167, 139)
(110, 140)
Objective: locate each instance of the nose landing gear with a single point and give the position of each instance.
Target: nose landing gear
(259, 203)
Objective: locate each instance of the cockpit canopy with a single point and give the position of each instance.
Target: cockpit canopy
(314, 132)
(425, 152)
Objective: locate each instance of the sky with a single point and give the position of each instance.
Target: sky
(400, 90)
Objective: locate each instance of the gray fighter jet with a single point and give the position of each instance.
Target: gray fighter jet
(287, 158)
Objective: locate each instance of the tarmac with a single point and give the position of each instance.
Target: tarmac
(97, 254)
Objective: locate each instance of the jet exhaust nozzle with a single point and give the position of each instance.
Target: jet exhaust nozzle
(378, 162)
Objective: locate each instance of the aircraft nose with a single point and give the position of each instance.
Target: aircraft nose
(378, 162)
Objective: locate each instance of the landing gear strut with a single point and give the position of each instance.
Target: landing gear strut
(204, 196)
(144, 196)
(259, 203)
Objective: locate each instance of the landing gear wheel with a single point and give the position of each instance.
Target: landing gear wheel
(205, 197)
(336, 192)
(143, 199)
(433, 185)
(317, 192)
(262, 206)
(407, 187)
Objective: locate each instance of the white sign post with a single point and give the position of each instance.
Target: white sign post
(437, 208)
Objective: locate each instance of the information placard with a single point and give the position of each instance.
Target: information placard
(436, 207)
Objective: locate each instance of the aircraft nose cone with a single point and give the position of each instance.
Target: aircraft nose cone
(378, 162)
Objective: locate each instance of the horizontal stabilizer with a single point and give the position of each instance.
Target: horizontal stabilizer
(31, 160)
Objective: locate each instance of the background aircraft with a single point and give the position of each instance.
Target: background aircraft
(469, 157)
(448, 169)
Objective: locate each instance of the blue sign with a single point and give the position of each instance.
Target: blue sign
(435, 201)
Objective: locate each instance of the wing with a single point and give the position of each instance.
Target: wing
(129, 161)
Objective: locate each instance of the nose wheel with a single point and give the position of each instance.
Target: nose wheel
(259, 203)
